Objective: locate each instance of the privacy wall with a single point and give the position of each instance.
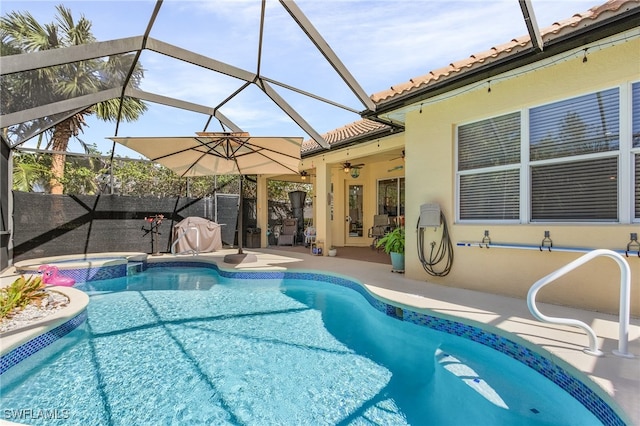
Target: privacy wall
(52, 225)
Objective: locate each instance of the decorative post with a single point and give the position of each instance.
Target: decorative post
(154, 224)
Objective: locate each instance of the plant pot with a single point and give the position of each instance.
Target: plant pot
(397, 262)
(333, 252)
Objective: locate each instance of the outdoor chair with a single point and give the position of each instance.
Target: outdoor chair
(379, 229)
(309, 236)
(288, 232)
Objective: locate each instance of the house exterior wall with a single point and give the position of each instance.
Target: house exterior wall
(430, 171)
(376, 157)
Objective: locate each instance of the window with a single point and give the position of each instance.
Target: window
(565, 186)
(637, 188)
(635, 137)
(491, 195)
(355, 211)
(391, 198)
(575, 191)
(488, 165)
(558, 162)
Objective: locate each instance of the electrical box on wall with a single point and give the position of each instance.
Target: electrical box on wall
(429, 215)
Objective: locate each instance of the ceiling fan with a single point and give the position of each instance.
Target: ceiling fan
(346, 167)
(400, 166)
(352, 169)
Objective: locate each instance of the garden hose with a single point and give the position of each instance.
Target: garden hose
(442, 255)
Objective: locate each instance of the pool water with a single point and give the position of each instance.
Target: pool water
(186, 346)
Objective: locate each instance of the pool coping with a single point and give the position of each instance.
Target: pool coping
(88, 260)
(78, 301)
(385, 300)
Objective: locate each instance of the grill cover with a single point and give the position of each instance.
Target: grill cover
(209, 235)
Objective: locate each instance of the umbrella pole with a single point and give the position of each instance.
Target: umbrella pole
(240, 214)
(240, 257)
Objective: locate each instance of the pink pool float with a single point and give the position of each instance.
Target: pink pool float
(50, 275)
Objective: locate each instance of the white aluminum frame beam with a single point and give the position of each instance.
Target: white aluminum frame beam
(532, 24)
(284, 106)
(48, 58)
(199, 60)
(79, 102)
(177, 103)
(328, 53)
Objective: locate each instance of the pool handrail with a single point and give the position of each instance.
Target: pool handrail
(182, 235)
(625, 291)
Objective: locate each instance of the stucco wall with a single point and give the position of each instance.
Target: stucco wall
(430, 171)
(379, 156)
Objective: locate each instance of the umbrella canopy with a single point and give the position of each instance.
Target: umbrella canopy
(223, 153)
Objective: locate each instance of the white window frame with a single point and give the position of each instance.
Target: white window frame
(625, 153)
(629, 159)
(460, 173)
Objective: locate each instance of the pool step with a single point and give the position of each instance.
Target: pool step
(135, 268)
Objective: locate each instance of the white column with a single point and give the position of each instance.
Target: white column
(322, 205)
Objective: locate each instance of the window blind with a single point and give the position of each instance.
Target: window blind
(487, 143)
(583, 125)
(575, 191)
(637, 192)
(635, 116)
(490, 196)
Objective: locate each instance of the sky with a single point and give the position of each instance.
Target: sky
(380, 42)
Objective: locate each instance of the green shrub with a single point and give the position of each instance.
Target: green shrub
(393, 242)
(20, 294)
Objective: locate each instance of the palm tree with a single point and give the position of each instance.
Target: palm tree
(21, 33)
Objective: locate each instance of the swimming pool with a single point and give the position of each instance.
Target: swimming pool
(213, 350)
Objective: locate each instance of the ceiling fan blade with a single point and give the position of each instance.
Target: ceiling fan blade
(397, 158)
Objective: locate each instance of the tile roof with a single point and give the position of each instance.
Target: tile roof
(362, 128)
(349, 133)
(558, 29)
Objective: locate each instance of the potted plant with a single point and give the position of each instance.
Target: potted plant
(393, 244)
(333, 251)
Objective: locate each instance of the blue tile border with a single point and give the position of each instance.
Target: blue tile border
(29, 348)
(558, 375)
(102, 272)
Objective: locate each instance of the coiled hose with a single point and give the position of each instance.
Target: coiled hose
(443, 254)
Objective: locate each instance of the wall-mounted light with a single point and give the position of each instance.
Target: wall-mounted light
(303, 175)
(355, 172)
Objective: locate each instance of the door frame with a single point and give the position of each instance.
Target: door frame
(350, 240)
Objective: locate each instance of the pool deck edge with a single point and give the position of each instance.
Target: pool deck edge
(78, 301)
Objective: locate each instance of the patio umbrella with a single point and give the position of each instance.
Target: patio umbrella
(223, 153)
